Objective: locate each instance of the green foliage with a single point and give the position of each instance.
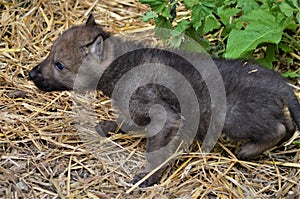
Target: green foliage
(297, 142)
(291, 74)
(243, 25)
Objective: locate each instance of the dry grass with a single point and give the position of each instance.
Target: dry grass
(42, 156)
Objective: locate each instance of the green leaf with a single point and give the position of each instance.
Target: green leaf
(209, 3)
(267, 5)
(190, 3)
(183, 25)
(196, 36)
(162, 22)
(265, 63)
(227, 13)
(229, 2)
(162, 27)
(289, 23)
(289, 74)
(166, 13)
(262, 27)
(156, 5)
(270, 57)
(296, 142)
(199, 13)
(271, 52)
(149, 15)
(210, 24)
(286, 9)
(285, 47)
(192, 47)
(295, 3)
(247, 5)
(204, 43)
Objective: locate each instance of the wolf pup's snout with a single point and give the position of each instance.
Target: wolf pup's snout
(44, 81)
(34, 73)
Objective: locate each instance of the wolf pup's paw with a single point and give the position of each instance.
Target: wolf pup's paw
(154, 179)
(249, 151)
(104, 127)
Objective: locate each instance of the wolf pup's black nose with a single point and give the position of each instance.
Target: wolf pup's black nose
(33, 73)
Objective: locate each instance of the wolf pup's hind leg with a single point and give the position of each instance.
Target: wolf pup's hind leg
(256, 115)
(253, 148)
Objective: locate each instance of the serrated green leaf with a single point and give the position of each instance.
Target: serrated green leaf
(156, 5)
(226, 13)
(208, 3)
(149, 15)
(262, 27)
(211, 23)
(247, 5)
(199, 12)
(295, 3)
(166, 13)
(190, 3)
(266, 5)
(162, 22)
(286, 9)
(183, 25)
(229, 2)
(197, 16)
(162, 27)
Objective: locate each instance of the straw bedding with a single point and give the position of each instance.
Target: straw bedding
(42, 156)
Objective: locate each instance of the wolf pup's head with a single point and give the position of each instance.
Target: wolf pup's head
(59, 70)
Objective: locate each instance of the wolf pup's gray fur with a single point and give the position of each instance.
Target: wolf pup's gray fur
(255, 101)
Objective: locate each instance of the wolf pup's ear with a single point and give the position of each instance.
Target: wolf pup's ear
(91, 20)
(97, 47)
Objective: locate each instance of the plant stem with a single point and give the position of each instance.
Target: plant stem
(294, 42)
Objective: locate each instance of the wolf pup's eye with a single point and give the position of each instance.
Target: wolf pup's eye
(59, 66)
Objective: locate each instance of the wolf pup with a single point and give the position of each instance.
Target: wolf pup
(255, 96)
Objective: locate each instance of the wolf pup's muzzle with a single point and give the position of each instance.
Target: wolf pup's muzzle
(34, 73)
(45, 84)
